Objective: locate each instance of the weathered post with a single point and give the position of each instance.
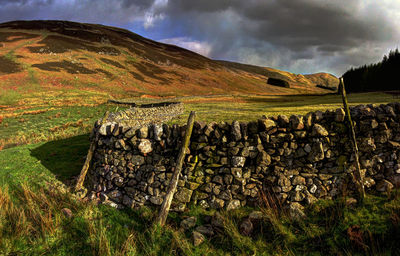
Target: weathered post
(162, 217)
(358, 176)
(89, 156)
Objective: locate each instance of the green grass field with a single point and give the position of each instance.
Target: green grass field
(45, 147)
(58, 118)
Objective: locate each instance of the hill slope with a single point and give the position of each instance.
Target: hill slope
(50, 57)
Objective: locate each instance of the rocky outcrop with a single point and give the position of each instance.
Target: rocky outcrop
(299, 159)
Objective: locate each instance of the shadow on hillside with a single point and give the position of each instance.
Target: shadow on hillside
(63, 157)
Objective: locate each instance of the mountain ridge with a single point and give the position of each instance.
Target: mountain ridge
(56, 55)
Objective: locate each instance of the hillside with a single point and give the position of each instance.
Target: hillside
(61, 56)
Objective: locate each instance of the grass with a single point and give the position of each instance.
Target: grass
(33, 182)
(63, 116)
(34, 178)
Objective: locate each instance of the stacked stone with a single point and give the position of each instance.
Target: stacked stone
(297, 159)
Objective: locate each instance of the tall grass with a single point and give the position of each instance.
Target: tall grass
(32, 223)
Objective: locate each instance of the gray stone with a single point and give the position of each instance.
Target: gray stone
(206, 230)
(143, 132)
(203, 204)
(267, 124)
(298, 180)
(233, 204)
(115, 195)
(237, 172)
(137, 160)
(218, 179)
(217, 203)
(296, 122)
(384, 186)
(369, 182)
(313, 188)
(157, 131)
(263, 159)
(217, 221)
(319, 131)
(296, 210)
(157, 200)
(284, 183)
(145, 146)
(67, 213)
(127, 201)
(130, 133)
(339, 115)
(183, 195)
(198, 238)
(188, 223)
(236, 134)
(246, 227)
(317, 153)
(283, 120)
(238, 161)
(256, 216)
(103, 129)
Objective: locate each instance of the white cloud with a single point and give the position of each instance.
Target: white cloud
(202, 48)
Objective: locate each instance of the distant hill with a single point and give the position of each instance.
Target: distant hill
(381, 76)
(48, 56)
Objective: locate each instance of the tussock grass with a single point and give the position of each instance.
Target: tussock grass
(32, 223)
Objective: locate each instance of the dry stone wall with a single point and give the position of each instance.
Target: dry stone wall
(298, 159)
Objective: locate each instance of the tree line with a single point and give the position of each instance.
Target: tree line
(381, 76)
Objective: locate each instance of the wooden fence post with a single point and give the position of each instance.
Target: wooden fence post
(89, 156)
(162, 217)
(358, 176)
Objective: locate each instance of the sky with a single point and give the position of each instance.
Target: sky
(300, 36)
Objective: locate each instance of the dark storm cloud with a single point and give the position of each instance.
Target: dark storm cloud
(297, 30)
(296, 35)
(118, 12)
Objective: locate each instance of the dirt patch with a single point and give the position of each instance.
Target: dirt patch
(106, 73)
(8, 66)
(9, 37)
(112, 63)
(137, 76)
(152, 71)
(69, 67)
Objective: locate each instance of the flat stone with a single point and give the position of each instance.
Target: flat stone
(256, 216)
(103, 129)
(183, 195)
(157, 200)
(67, 213)
(188, 223)
(267, 124)
(198, 238)
(233, 204)
(384, 186)
(319, 131)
